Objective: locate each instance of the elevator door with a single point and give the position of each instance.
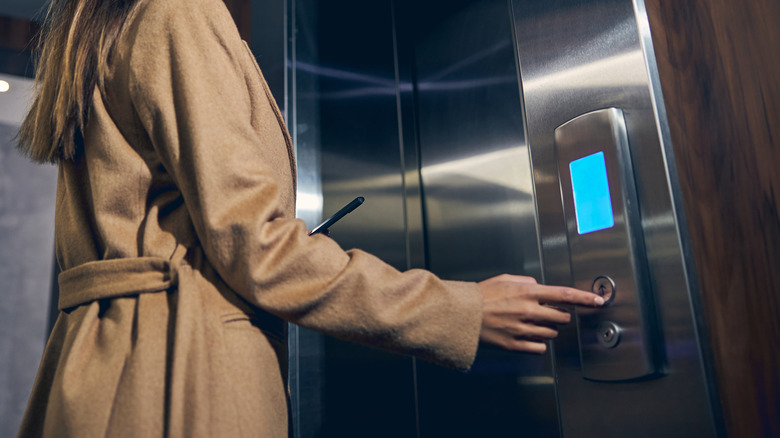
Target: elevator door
(479, 216)
(346, 118)
(443, 115)
(418, 108)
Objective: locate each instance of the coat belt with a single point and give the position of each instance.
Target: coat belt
(115, 278)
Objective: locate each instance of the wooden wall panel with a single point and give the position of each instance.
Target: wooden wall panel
(16, 42)
(719, 62)
(16, 33)
(17, 37)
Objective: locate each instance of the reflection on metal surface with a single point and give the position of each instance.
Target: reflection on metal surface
(419, 107)
(488, 168)
(571, 72)
(591, 75)
(350, 77)
(478, 205)
(345, 93)
(308, 203)
(535, 380)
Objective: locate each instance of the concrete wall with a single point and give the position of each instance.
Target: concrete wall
(27, 197)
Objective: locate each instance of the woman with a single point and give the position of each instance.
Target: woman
(180, 252)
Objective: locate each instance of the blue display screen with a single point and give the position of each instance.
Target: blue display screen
(592, 203)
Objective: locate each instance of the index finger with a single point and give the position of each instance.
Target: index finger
(568, 295)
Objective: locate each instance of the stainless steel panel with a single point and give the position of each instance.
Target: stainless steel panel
(301, 107)
(344, 117)
(269, 43)
(478, 203)
(451, 104)
(617, 342)
(576, 57)
(276, 50)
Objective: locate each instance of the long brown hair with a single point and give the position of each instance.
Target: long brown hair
(73, 50)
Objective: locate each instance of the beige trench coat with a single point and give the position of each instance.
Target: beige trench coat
(182, 258)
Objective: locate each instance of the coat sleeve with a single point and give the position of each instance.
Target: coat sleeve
(189, 88)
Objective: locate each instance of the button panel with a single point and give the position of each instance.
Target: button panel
(618, 342)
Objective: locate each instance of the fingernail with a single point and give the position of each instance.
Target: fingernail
(599, 301)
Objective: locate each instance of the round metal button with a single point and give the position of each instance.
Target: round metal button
(608, 334)
(604, 287)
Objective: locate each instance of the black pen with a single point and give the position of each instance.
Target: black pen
(323, 227)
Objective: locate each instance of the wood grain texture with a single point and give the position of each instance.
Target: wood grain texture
(719, 63)
(17, 34)
(17, 37)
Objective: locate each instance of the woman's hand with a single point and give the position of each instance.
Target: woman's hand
(517, 313)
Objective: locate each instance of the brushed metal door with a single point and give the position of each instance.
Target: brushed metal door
(478, 204)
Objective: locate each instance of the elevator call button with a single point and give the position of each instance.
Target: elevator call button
(604, 287)
(608, 334)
